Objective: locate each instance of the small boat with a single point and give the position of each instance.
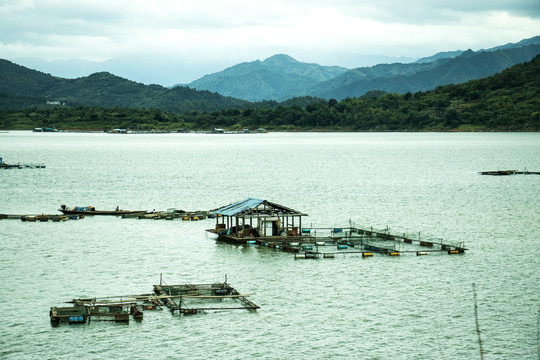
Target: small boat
(498, 172)
(90, 210)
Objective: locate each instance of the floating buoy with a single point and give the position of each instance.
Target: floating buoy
(76, 319)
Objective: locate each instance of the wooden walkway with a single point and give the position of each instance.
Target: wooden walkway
(329, 242)
(40, 217)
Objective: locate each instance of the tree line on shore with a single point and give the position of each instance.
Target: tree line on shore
(508, 101)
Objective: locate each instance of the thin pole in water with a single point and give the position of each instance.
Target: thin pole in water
(476, 321)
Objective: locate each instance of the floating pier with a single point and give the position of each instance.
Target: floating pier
(41, 217)
(171, 214)
(4, 165)
(186, 299)
(22, 166)
(331, 242)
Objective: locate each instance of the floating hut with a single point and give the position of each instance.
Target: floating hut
(257, 220)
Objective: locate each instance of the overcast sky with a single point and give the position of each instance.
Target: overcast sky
(329, 32)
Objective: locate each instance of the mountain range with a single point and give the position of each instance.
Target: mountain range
(281, 77)
(278, 78)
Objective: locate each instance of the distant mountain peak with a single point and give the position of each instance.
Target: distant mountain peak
(280, 59)
(468, 53)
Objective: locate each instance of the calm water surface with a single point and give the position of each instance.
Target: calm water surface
(348, 307)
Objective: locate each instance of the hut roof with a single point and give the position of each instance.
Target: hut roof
(256, 207)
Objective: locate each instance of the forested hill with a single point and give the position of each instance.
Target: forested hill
(508, 101)
(22, 87)
(403, 78)
(281, 77)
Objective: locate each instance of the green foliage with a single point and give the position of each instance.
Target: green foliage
(509, 101)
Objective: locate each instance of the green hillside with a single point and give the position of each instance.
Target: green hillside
(279, 77)
(403, 78)
(23, 87)
(508, 101)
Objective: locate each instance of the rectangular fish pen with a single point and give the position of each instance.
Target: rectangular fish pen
(189, 299)
(329, 242)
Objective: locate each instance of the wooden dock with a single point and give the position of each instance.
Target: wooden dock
(172, 214)
(40, 217)
(4, 165)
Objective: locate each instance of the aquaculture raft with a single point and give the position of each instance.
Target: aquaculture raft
(190, 299)
(329, 242)
(187, 299)
(91, 309)
(90, 210)
(3, 165)
(42, 217)
(171, 214)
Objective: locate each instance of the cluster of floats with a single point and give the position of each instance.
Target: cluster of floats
(183, 299)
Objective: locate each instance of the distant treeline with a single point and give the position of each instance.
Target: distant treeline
(509, 101)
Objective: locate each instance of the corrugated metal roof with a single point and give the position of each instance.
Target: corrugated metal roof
(249, 204)
(239, 207)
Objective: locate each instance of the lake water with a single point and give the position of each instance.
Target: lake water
(348, 307)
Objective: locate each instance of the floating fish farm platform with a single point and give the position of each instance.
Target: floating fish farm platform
(330, 242)
(41, 217)
(185, 299)
(171, 214)
(190, 299)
